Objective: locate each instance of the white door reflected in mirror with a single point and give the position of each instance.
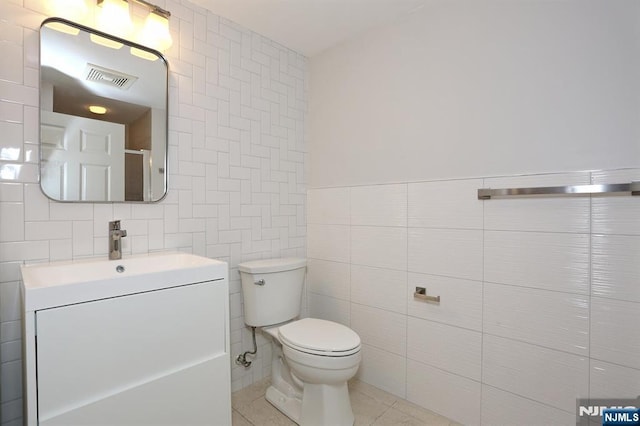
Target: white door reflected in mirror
(82, 159)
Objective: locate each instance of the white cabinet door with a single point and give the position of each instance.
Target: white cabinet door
(155, 358)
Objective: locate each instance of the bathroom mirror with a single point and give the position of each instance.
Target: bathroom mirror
(103, 116)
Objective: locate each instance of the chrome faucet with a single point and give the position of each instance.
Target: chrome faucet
(115, 235)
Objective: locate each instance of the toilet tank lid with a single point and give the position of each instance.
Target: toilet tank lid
(265, 266)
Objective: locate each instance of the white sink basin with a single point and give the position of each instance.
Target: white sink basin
(47, 285)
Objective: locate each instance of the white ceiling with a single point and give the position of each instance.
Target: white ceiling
(310, 26)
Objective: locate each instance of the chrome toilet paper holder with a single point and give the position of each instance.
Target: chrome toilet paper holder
(421, 293)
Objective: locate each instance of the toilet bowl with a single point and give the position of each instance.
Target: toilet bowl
(312, 358)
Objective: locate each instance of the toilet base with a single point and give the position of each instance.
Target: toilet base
(288, 405)
(326, 405)
(309, 403)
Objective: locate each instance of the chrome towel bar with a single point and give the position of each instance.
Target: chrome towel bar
(488, 193)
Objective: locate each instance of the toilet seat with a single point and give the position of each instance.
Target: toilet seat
(319, 337)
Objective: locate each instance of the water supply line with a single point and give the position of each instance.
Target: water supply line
(242, 358)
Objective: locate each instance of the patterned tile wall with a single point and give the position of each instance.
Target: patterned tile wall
(237, 168)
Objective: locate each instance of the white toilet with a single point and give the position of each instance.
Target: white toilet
(312, 358)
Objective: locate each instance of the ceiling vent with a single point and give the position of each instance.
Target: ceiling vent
(109, 77)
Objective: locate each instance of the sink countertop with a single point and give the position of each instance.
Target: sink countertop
(48, 285)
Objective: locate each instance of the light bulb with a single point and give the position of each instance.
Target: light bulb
(114, 18)
(97, 109)
(156, 33)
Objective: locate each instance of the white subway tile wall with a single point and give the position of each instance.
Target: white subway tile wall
(449, 348)
(444, 392)
(386, 369)
(384, 247)
(549, 376)
(379, 288)
(622, 347)
(460, 304)
(608, 379)
(237, 168)
(379, 328)
(547, 318)
(455, 253)
(445, 204)
(551, 214)
(539, 296)
(501, 408)
(544, 260)
(329, 206)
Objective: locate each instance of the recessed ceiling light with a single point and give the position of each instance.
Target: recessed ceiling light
(97, 109)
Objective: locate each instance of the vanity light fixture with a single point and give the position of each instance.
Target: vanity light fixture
(155, 32)
(74, 10)
(115, 19)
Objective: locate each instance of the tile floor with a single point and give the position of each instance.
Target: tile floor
(371, 406)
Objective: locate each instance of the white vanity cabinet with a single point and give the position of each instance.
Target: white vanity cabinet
(153, 352)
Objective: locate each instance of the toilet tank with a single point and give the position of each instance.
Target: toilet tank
(272, 290)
